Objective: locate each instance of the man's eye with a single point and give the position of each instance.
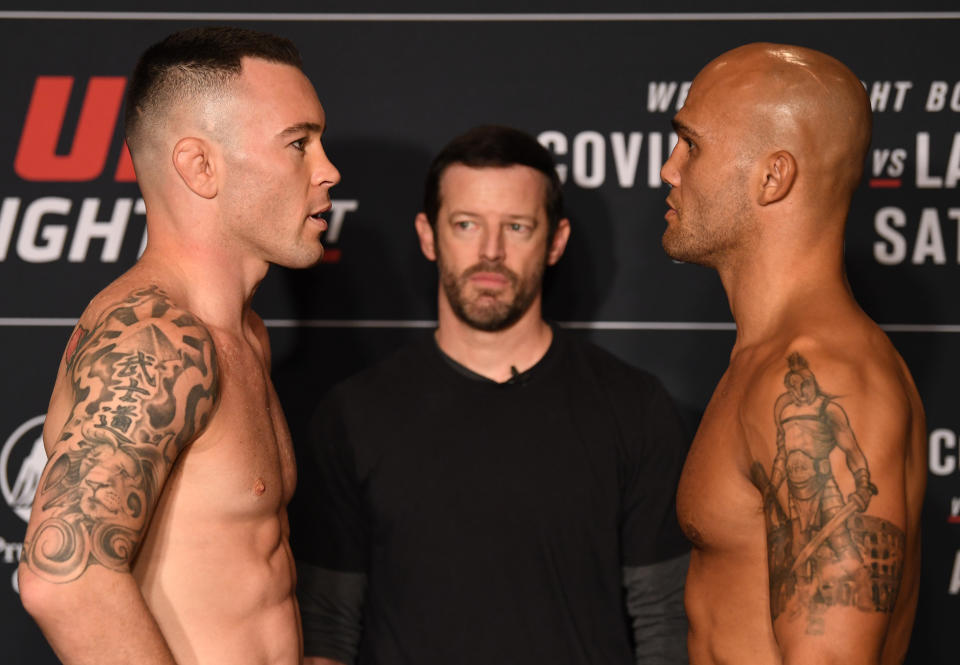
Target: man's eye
(690, 144)
(518, 227)
(300, 144)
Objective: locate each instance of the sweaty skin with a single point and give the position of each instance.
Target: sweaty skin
(803, 487)
(159, 530)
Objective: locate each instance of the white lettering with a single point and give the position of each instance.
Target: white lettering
(53, 235)
(140, 208)
(589, 173)
(942, 464)
(11, 551)
(684, 91)
(953, 164)
(883, 223)
(955, 577)
(339, 210)
(937, 96)
(898, 159)
(955, 506)
(955, 98)
(929, 239)
(880, 158)
(556, 143)
(924, 179)
(879, 94)
(8, 217)
(902, 87)
(88, 227)
(654, 158)
(626, 156)
(659, 94)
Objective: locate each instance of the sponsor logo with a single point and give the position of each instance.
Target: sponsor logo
(22, 459)
(21, 462)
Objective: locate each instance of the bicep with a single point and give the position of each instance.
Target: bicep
(836, 559)
(142, 387)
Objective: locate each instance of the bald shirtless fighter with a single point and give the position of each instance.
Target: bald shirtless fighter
(802, 490)
(159, 528)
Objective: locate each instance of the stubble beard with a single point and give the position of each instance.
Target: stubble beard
(485, 310)
(703, 237)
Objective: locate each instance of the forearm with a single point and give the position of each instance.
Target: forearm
(330, 610)
(655, 606)
(99, 618)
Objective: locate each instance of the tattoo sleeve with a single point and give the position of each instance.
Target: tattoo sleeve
(823, 550)
(144, 382)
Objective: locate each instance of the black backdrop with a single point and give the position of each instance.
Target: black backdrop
(599, 89)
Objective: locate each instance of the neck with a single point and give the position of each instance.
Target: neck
(214, 281)
(775, 287)
(494, 354)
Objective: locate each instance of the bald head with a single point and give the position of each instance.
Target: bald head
(794, 99)
(178, 80)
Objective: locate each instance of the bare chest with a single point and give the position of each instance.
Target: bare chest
(243, 463)
(719, 507)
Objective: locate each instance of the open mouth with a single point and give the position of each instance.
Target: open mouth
(318, 217)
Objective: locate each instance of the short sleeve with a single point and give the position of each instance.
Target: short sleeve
(650, 532)
(328, 521)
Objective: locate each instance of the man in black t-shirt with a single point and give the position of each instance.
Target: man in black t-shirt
(499, 492)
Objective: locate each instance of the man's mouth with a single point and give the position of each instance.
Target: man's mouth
(317, 216)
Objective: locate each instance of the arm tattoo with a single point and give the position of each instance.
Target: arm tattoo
(144, 382)
(822, 550)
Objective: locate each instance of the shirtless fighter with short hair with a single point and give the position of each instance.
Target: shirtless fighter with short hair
(803, 487)
(159, 529)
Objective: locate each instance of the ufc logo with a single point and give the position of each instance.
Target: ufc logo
(37, 158)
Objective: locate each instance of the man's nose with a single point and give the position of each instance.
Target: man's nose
(492, 247)
(324, 172)
(669, 173)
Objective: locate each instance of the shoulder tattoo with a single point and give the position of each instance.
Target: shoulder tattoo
(144, 382)
(823, 549)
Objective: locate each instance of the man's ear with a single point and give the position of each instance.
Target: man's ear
(192, 159)
(559, 242)
(427, 237)
(779, 174)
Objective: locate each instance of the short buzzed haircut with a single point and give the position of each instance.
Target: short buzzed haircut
(193, 62)
(499, 147)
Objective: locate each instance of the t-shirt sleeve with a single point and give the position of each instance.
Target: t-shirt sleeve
(649, 531)
(328, 535)
(328, 525)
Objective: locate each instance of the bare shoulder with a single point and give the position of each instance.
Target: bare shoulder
(833, 467)
(860, 377)
(141, 335)
(138, 383)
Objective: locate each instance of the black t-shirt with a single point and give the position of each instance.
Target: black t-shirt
(492, 520)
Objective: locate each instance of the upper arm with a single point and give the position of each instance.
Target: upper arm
(658, 445)
(835, 568)
(328, 515)
(143, 384)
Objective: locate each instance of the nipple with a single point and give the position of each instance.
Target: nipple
(258, 487)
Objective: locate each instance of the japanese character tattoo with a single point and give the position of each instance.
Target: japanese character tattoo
(144, 382)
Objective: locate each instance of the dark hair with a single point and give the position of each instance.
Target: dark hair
(493, 145)
(193, 61)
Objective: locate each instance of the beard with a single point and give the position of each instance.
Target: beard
(703, 234)
(483, 309)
